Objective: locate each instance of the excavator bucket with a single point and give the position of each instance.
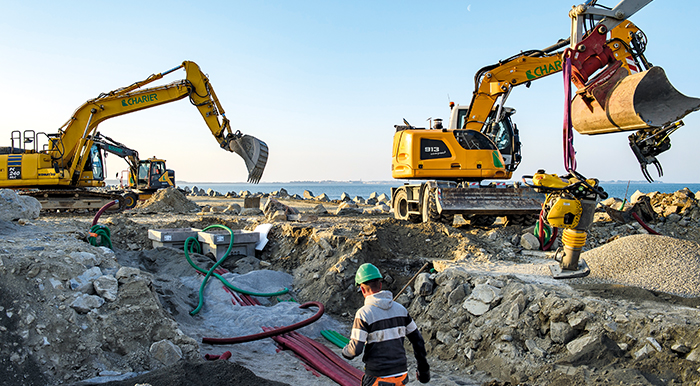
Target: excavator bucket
(254, 153)
(638, 101)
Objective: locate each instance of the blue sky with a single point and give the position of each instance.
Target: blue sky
(321, 82)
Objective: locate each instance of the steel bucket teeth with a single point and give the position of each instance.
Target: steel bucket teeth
(254, 153)
(639, 101)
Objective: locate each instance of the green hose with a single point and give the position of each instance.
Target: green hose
(105, 236)
(211, 271)
(335, 337)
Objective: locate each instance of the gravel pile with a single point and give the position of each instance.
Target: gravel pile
(167, 200)
(652, 262)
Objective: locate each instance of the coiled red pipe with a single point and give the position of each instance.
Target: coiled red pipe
(274, 332)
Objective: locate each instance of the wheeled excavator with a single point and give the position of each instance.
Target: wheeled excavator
(481, 142)
(59, 173)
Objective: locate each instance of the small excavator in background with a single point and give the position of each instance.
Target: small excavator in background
(59, 172)
(145, 177)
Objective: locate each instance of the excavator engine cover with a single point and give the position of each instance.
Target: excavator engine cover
(254, 153)
(638, 101)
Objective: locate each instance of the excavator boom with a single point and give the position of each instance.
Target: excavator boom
(72, 157)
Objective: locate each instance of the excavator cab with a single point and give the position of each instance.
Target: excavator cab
(500, 129)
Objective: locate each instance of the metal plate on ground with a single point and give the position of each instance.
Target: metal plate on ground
(559, 273)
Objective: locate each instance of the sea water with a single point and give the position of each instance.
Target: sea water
(335, 189)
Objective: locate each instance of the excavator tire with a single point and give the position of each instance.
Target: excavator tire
(482, 220)
(430, 213)
(400, 204)
(130, 200)
(521, 219)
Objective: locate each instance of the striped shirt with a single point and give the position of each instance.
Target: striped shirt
(381, 325)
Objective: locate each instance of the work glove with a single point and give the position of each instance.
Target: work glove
(423, 375)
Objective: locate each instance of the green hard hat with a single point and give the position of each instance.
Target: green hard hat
(367, 272)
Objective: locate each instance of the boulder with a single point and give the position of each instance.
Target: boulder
(14, 206)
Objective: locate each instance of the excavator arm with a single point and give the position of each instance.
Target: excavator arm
(496, 81)
(70, 149)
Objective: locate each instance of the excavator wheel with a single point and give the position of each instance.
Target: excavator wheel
(130, 200)
(521, 219)
(400, 204)
(429, 211)
(482, 220)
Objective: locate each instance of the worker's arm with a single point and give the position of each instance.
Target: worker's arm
(414, 336)
(358, 337)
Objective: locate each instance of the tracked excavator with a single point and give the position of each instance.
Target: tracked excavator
(60, 172)
(481, 142)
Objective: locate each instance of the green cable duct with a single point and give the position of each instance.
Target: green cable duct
(335, 337)
(211, 272)
(105, 236)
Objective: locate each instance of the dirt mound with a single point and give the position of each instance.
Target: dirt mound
(167, 200)
(195, 374)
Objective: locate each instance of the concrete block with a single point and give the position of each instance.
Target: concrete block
(171, 237)
(216, 243)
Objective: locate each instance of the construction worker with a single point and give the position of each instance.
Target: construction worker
(381, 325)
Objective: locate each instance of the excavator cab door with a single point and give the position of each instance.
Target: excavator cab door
(503, 132)
(95, 164)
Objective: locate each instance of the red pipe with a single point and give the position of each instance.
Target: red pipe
(318, 361)
(645, 226)
(223, 357)
(276, 331)
(333, 359)
(354, 372)
(99, 212)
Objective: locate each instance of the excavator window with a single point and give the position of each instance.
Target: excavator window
(95, 163)
(473, 140)
(143, 174)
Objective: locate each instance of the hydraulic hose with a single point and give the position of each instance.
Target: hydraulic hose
(104, 208)
(274, 332)
(191, 240)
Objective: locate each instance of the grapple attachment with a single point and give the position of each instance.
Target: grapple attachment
(639, 101)
(254, 153)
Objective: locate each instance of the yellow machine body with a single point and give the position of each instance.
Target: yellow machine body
(446, 154)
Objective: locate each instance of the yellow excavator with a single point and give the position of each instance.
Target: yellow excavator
(482, 143)
(145, 177)
(70, 161)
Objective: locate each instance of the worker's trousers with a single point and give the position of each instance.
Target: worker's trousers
(368, 380)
